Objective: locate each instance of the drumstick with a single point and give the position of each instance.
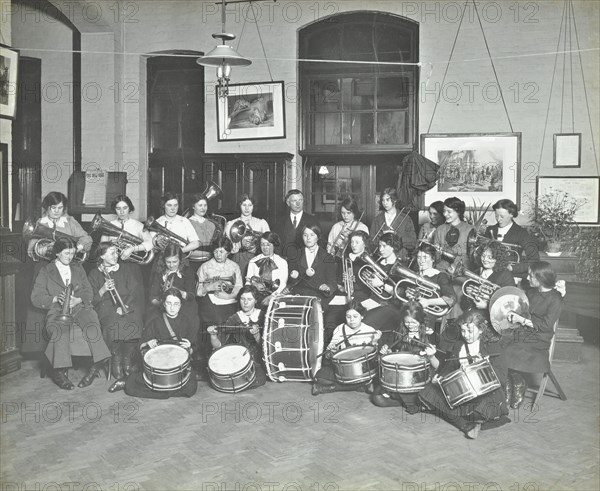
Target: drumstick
(337, 344)
(426, 345)
(472, 356)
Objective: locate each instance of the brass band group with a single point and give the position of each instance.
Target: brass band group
(449, 318)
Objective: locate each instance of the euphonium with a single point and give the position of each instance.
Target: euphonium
(118, 301)
(372, 270)
(124, 240)
(477, 243)
(153, 226)
(65, 315)
(414, 286)
(476, 287)
(47, 236)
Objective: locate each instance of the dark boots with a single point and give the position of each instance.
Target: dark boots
(519, 387)
(116, 368)
(92, 373)
(60, 378)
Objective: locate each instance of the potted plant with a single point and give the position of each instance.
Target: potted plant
(553, 215)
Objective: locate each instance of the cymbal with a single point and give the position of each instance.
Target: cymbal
(507, 299)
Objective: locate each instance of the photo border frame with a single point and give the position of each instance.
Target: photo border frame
(9, 110)
(559, 148)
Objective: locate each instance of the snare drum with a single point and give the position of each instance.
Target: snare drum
(231, 369)
(293, 338)
(355, 364)
(468, 382)
(403, 372)
(166, 367)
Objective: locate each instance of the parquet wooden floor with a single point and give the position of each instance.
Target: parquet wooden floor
(279, 437)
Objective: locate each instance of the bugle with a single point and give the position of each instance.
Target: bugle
(414, 286)
(339, 244)
(153, 226)
(477, 243)
(372, 270)
(123, 240)
(42, 249)
(116, 297)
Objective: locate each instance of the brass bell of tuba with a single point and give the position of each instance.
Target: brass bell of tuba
(124, 239)
(372, 270)
(47, 236)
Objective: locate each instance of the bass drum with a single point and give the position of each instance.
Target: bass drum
(293, 338)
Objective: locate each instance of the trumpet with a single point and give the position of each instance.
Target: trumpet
(372, 270)
(227, 282)
(118, 301)
(123, 241)
(153, 226)
(416, 286)
(42, 249)
(65, 314)
(476, 244)
(402, 215)
(476, 287)
(348, 269)
(239, 230)
(340, 243)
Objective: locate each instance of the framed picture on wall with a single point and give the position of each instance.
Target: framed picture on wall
(251, 112)
(567, 150)
(580, 188)
(475, 167)
(9, 60)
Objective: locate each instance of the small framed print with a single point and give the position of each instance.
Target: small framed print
(9, 60)
(567, 150)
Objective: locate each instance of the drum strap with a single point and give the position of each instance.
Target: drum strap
(168, 324)
(346, 342)
(469, 357)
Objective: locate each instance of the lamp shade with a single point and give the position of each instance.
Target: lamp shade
(223, 53)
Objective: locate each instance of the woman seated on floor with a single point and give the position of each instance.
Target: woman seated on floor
(175, 328)
(351, 333)
(479, 341)
(243, 328)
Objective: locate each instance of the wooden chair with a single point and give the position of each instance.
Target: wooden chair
(548, 375)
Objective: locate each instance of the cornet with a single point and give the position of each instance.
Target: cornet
(227, 282)
(124, 240)
(414, 286)
(265, 286)
(371, 271)
(348, 274)
(42, 249)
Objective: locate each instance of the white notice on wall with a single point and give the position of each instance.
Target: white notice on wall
(94, 193)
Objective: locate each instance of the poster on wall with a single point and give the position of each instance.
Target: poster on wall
(586, 189)
(477, 168)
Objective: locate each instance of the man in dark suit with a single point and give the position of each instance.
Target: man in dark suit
(506, 230)
(291, 224)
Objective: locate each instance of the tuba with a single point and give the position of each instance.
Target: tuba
(123, 241)
(416, 286)
(475, 287)
(372, 270)
(477, 243)
(153, 226)
(47, 236)
(212, 191)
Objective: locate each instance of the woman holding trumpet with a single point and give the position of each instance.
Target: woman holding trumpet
(392, 219)
(340, 232)
(120, 306)
(63, 290)
(178, 225)
(55, 217)
(268, 272)
(256, 225)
